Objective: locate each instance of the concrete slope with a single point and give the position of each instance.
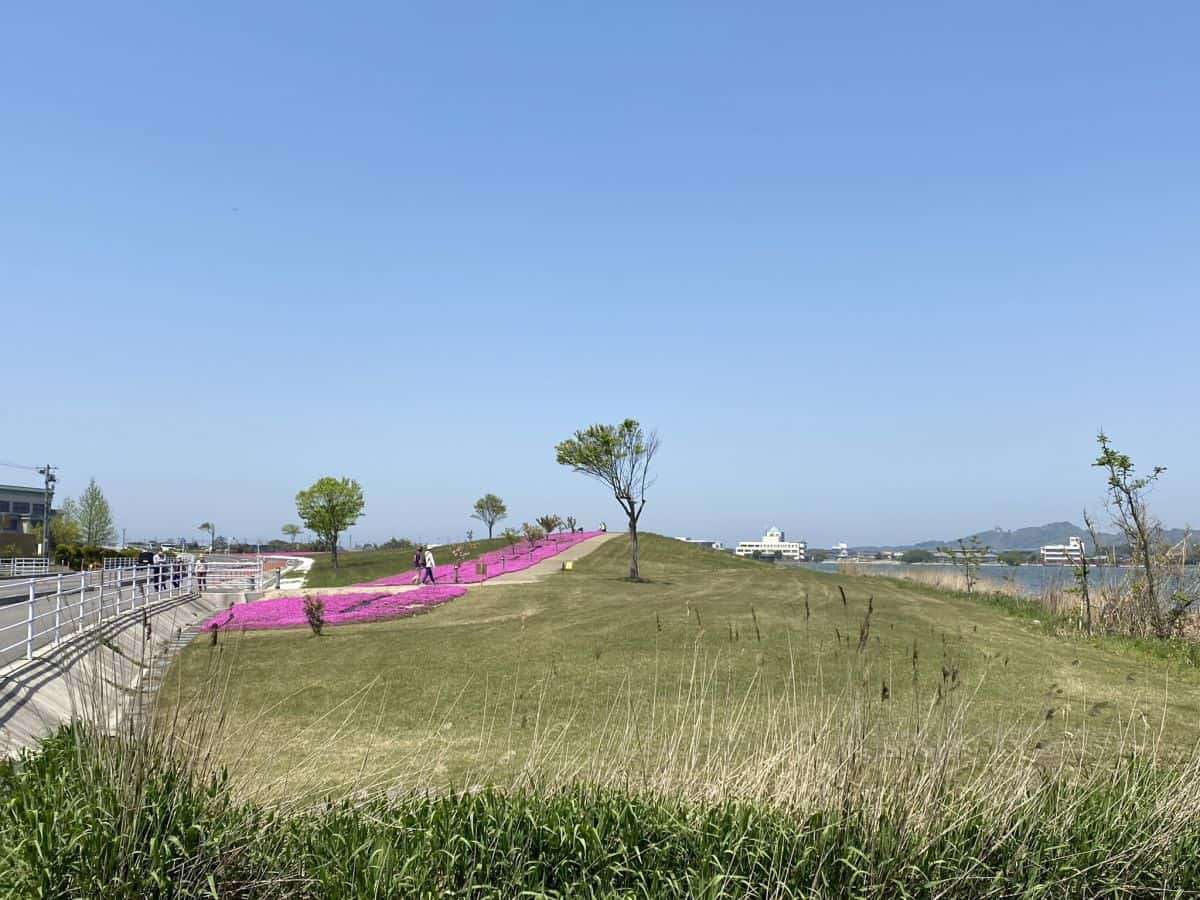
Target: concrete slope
(97, 675)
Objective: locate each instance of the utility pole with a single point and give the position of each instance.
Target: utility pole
(47, 495)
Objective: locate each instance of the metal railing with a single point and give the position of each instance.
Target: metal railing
(230, 575)
(44, 611)
(120, 562)
(27, 565)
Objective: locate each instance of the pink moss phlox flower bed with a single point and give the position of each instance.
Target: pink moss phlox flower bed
(340, 609)
(498, 562)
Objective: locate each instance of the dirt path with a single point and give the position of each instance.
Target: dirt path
(553, 564)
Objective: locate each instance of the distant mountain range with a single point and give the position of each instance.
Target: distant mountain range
(1039, 535)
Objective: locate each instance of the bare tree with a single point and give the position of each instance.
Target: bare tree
(968, 555)
(1083, 570)
(619, 456)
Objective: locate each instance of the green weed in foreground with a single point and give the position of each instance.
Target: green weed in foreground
(109, 818)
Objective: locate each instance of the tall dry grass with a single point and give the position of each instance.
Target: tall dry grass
(684, 785)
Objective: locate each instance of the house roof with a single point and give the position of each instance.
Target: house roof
(21, 489)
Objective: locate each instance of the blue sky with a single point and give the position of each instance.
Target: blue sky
(876, 272)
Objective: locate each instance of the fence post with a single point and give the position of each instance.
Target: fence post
(58, 610)
(100, 599)
(29, 624)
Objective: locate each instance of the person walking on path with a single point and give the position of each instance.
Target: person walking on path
(429, 564)
(418, 564)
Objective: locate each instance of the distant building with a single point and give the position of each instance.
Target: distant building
(841, 551)
(701, 542)
(773, 543)
(1068, 554)
(21, 508)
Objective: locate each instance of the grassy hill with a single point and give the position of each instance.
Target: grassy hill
(715, 671)
(729, 729)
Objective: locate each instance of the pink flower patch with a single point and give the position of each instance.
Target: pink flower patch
(340, 609)
(497, 562)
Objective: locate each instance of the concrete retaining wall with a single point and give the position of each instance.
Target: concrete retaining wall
(98, 674)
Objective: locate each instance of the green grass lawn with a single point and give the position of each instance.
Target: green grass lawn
(367, 565)
(713, 664)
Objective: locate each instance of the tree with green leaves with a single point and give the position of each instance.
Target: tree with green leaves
(212, 533)
(571, 524)
(64, 525)
(291, 531)
(96, 526)
(510, 536)
(916, 556)
(549, 523)
(533, 534)
(1126, 503)
(329, 507)
(620, 457)
(490, 509)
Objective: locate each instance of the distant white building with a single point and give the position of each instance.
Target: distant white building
(1068, 554)
(773, 542)
(841, 551)
(701, 542)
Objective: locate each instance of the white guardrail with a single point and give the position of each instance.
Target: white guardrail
(24, 566)
(43, 611)
(230, 574)
(120, 562)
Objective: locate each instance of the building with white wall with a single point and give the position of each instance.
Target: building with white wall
(773, 543)
(1068, 554)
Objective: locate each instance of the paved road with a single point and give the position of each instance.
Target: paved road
(15, 590)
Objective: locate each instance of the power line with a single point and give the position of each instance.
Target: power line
(13, 465)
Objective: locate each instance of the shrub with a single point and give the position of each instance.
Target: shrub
(314, 612)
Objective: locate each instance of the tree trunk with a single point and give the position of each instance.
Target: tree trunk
(1087, 596)
(491, 525)
(333, 547)
(633, 550)
(1144, 539)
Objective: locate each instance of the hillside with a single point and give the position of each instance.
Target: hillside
(1028, 538)
(1032, 537)
(589, 674)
